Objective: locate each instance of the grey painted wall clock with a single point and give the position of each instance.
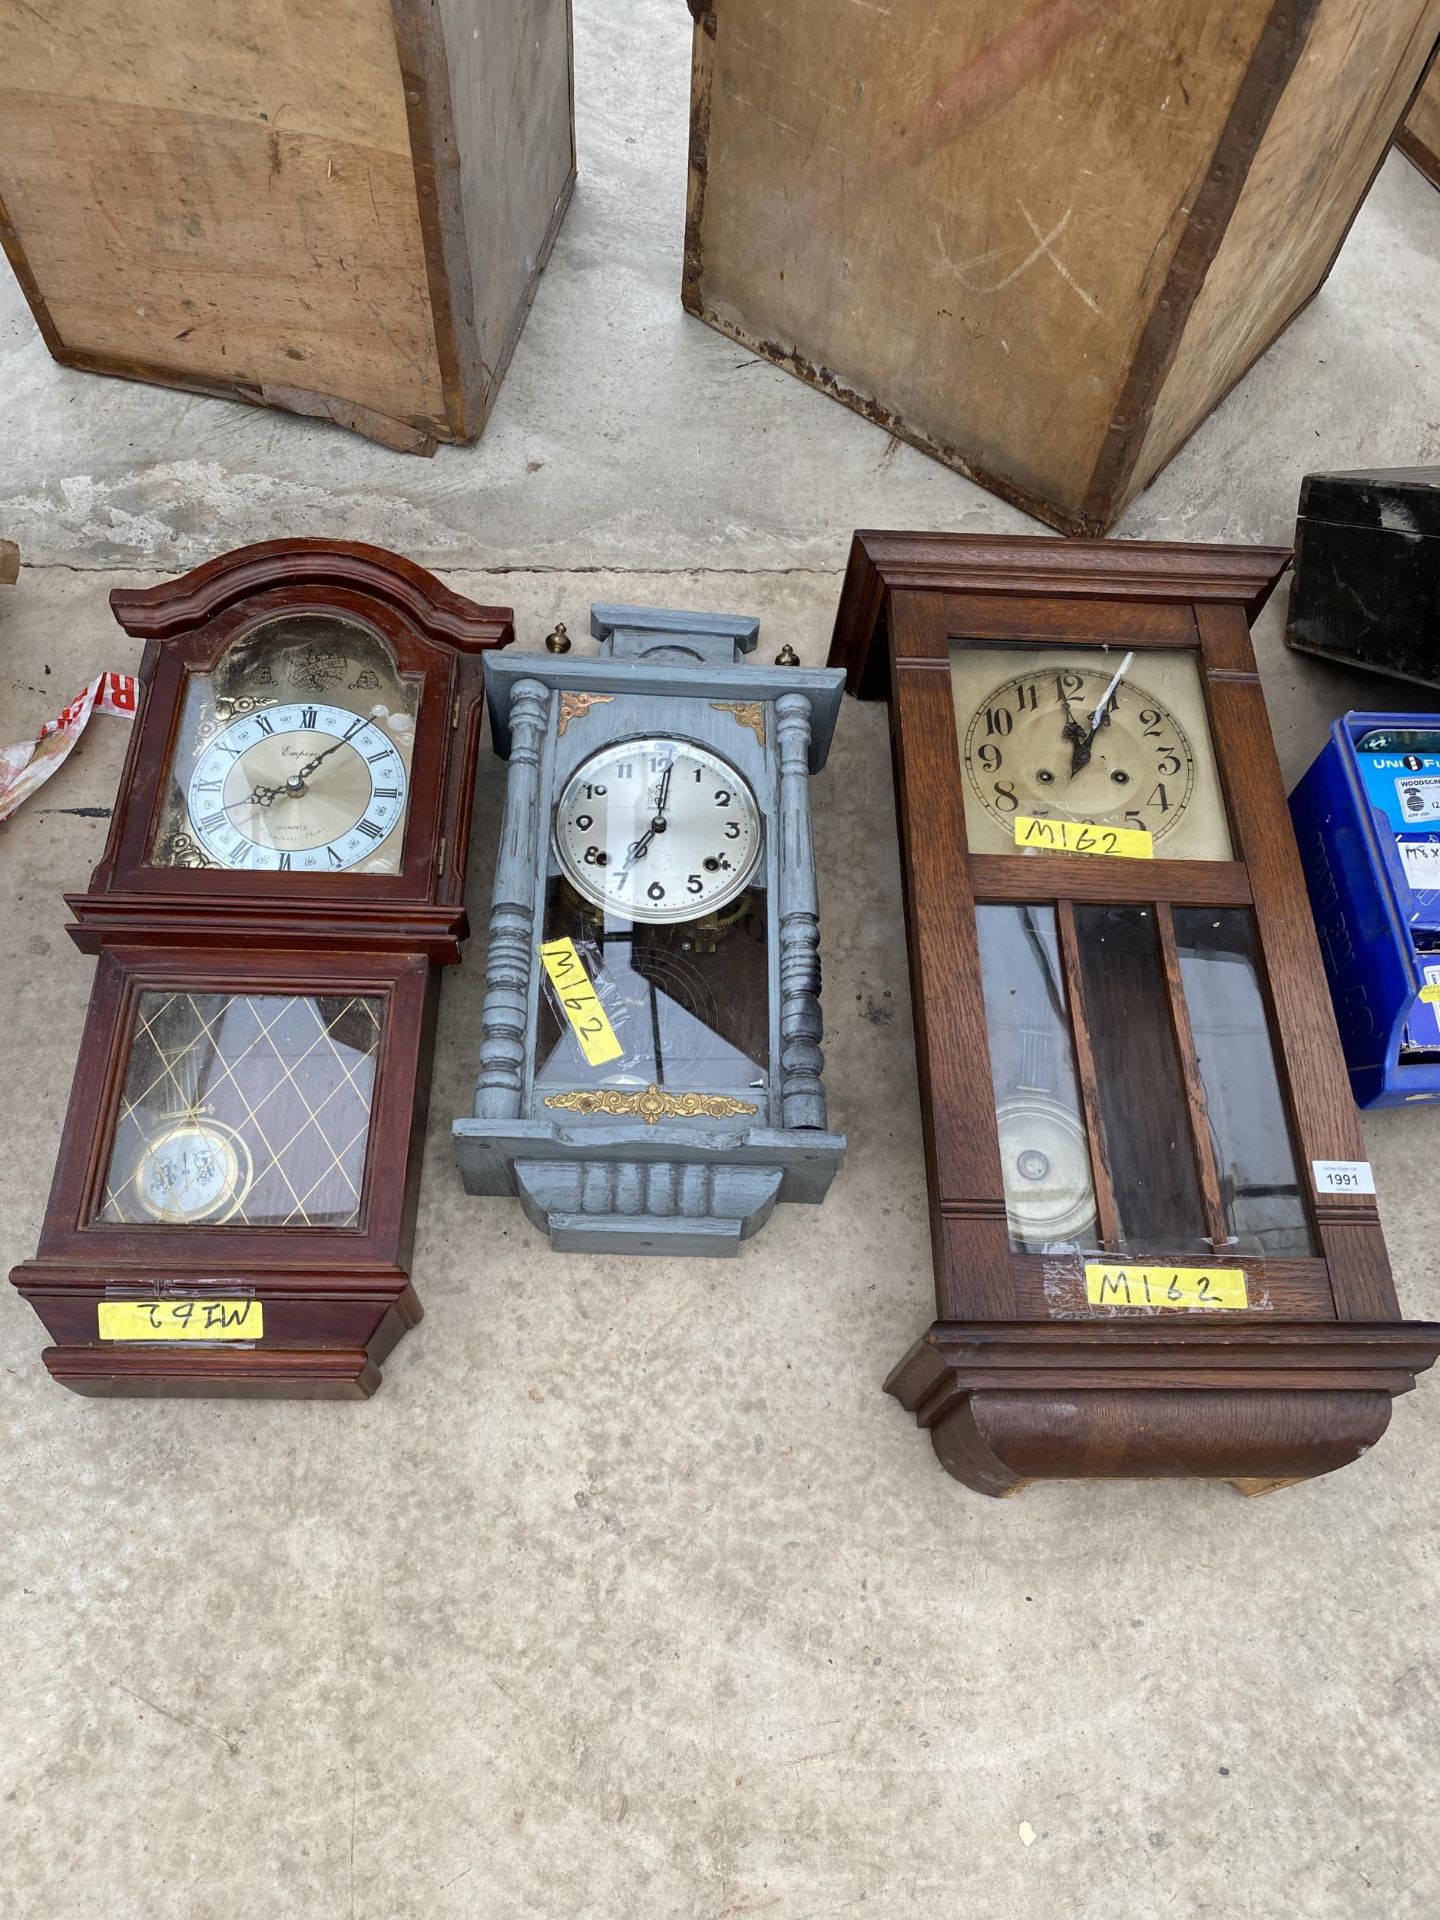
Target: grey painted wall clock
(650, 1064)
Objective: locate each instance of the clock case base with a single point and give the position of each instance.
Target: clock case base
(191, 1370)
(590, 1193)
(1262, 1407)
(677, 1189)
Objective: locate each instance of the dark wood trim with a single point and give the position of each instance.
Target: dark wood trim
(260, 1374)
(123, 974)
(174, 606)
(436, 637)
(1282, 41)
(1086, 1079)
(1196, 1106)
(1297, 1383)
(1251, 1402)
(337, 1297)
(1052, 1287)
(962, 1146)
(990, 619)
(885, 563)
(1310, 1058)
(1003, 877)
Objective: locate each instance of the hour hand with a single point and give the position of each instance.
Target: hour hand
(637, 851)
(1079, 738)
(257, 797)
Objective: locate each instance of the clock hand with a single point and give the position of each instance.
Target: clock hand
(310, 765)
(1082, 741)
(1079, 740)
(638, 849)
(1101, 716)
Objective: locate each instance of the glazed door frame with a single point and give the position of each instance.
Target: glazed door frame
(978, 1276)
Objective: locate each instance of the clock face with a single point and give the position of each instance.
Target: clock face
(1036, 746)
(658, 830)
(301, 787)
(1110, 738)
(293, 755)
(196, 1170)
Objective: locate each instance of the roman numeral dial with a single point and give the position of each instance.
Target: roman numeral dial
(303, 788)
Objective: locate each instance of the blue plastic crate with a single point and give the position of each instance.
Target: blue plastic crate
(1368, 825)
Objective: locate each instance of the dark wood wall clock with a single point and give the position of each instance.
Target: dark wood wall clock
(1155, 1238)
(235, 1194)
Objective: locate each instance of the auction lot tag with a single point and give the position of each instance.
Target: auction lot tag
(1343, 1176)
(1421, 861)
(580, 1002)
(1127, 1286)
(181, 1319)
(1079, 836)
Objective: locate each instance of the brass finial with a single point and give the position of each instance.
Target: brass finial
(787, 656)
(559, 640)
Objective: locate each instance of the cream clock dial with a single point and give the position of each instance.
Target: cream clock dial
(1108, 738)
(303, 787)
(1073, 745)
(657, 830)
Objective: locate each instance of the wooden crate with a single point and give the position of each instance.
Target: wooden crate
(338, 207)
(1419, 138)
(1038, 239)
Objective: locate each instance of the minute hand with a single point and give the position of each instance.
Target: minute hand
(1098, 717)
(310, 765)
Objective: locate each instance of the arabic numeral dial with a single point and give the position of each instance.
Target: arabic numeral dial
(1075, 743)
(658, 830)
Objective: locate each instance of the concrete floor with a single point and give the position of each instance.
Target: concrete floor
(631, 1595)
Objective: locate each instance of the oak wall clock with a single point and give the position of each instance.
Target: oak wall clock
(1154, 1231)
(650, 1066)
(235, 1195)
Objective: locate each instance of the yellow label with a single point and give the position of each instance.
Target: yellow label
(589, 1020)
(1431, 996)
(181, 1320)
(1126, 1286)
(1079, 836)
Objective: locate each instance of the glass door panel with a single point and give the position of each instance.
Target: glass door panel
(1260, 1187)
(1044, 1149)
(1139, 1083)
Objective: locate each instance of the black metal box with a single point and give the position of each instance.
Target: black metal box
(1366, 588)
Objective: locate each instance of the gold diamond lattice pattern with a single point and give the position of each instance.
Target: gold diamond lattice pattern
(269, 1095)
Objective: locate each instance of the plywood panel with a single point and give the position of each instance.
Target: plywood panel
(516, 169)
(325, 67)
(972, 210)
(231, 198)
(1419, 138)
(1328, 134)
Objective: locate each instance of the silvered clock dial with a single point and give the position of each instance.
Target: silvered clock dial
(658, 829)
